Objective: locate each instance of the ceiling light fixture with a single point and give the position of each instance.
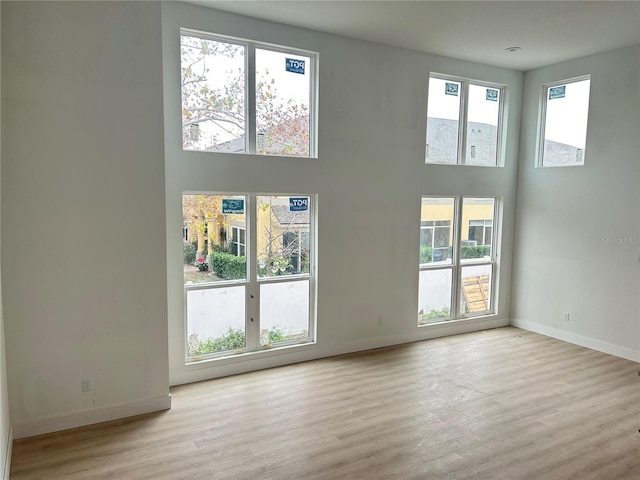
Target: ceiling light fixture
(513, 49)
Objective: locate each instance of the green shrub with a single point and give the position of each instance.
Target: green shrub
(276, 266)
(304, 259)
(426, 254)
(189, 252)
(475, 252)
(233, 339)
(433, 314)
(480, 251)
(220, 249)
(227, 266)
(276, 335)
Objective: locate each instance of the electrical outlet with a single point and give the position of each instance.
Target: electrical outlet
(566, 317)
(380, 320)
(86, 385)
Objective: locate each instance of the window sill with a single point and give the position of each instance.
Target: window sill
(466, 318)
(244, 355)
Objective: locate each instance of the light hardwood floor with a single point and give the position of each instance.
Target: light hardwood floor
(499, 404)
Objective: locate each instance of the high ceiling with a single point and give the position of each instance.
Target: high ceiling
(548, 32)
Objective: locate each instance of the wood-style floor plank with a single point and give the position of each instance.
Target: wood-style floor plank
(499, 404)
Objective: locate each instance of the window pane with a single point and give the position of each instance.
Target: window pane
(213, 95)
(565, 128)
(426, 236)
(215, 320)
(283, 235)
(476, 243)
(434, 296)
(284, 311)
(213, 223)
(283, 87)
(442, 237)
(475, 295)
(436, 241)
(443, 116)
(482, 125)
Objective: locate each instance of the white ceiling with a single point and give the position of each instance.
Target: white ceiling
(548, 31)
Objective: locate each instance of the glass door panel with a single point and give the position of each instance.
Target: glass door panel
(214, 229)
(215, 319)
(284, 312)
(283, 235)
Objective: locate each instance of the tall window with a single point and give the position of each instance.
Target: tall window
(456, 273)
(563, 131)
(246, 97)
(249, 286)
(464, 122)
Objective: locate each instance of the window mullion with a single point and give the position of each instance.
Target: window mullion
(494, 229)
(500, 139)
(541, 126)
(313, 118)
(494, 253)
(455, 258)
(250, 111)
(252, 322)
(462, 134)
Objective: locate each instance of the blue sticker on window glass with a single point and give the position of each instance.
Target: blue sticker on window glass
(451, 89)
(492, 94)
(557, 92)
(232, 206)
(294, 65)
(298, 204)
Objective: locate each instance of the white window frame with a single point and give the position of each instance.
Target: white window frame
(250, 90)
(457, 265)
(485, 223)
(239, 243)
(433, 233)
(252, 282)
(462, 122)
(298, 233)
(544, 98)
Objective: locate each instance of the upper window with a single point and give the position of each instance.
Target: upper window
(246, 97)
(464, 122)
(563, 131)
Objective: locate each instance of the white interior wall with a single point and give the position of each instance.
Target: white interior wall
(82, 159)
(83, 220)
(578, 228)
(5, 421)
(369, 177)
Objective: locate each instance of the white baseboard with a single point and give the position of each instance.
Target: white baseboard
(208, 370)
(592, 343)
(7, 458)
(91, 416)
